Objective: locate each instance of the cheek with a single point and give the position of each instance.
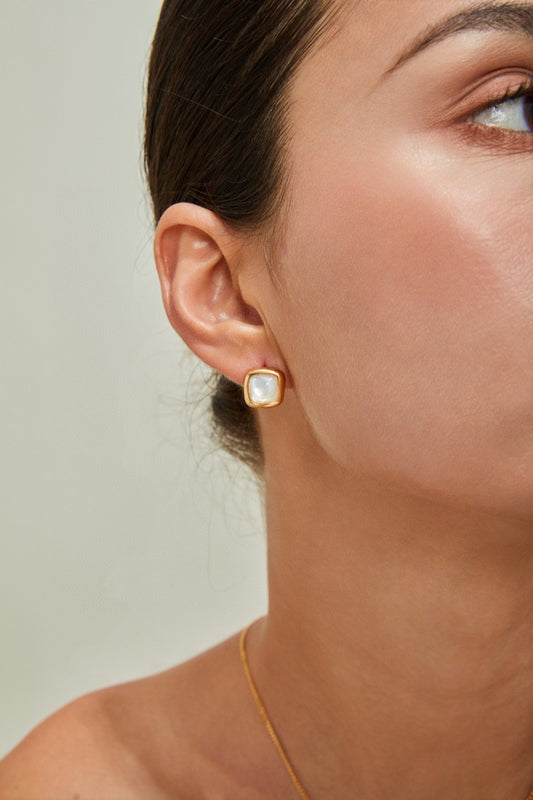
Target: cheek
(410, 330)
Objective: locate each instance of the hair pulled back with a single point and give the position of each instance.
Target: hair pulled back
(215, 130)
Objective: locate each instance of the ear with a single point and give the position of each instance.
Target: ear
(198, 259)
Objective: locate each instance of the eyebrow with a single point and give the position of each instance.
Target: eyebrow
(508, 17)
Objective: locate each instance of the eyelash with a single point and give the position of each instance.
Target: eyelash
(522, 91)
(479, 133)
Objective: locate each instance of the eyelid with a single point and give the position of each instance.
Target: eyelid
(499, 140)
(523, 90)
(491, 90)
(494, 89)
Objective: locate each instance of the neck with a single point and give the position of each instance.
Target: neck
(397, 655)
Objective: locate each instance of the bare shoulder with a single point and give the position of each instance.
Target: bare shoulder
(189, 733)
(74, 754)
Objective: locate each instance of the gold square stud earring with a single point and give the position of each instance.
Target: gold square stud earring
(264, 388)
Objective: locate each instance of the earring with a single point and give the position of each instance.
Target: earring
(264, 388)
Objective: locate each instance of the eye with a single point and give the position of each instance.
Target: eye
(513, 113)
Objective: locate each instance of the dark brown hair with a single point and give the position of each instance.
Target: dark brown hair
(216, 130)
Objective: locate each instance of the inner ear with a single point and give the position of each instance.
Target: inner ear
(225, 299)
(202, 264)
(198, 261)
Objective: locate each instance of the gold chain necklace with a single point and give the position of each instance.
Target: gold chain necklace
(268, 724)
(266, 719)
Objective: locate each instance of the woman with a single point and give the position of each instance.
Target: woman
(344, 196)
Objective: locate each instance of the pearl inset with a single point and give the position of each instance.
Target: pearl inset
(263, 388)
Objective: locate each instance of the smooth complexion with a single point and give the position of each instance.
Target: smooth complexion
(396, 294)
(401, 564)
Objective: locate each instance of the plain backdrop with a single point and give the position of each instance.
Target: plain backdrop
(127, 544)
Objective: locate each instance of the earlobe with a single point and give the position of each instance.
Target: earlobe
(197, 258)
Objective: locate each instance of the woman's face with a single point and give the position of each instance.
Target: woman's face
(405, 305)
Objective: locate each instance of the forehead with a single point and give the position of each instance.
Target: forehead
(368, 34)
(379, 28)
(380, 32)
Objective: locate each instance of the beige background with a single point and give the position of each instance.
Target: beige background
(127, 545)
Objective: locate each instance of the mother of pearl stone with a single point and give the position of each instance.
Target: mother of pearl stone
(264, 388)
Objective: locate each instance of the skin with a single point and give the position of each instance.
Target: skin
(396, 658)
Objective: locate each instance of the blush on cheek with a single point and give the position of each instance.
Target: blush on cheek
(419, 343)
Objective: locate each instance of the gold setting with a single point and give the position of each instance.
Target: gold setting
(268, 403)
